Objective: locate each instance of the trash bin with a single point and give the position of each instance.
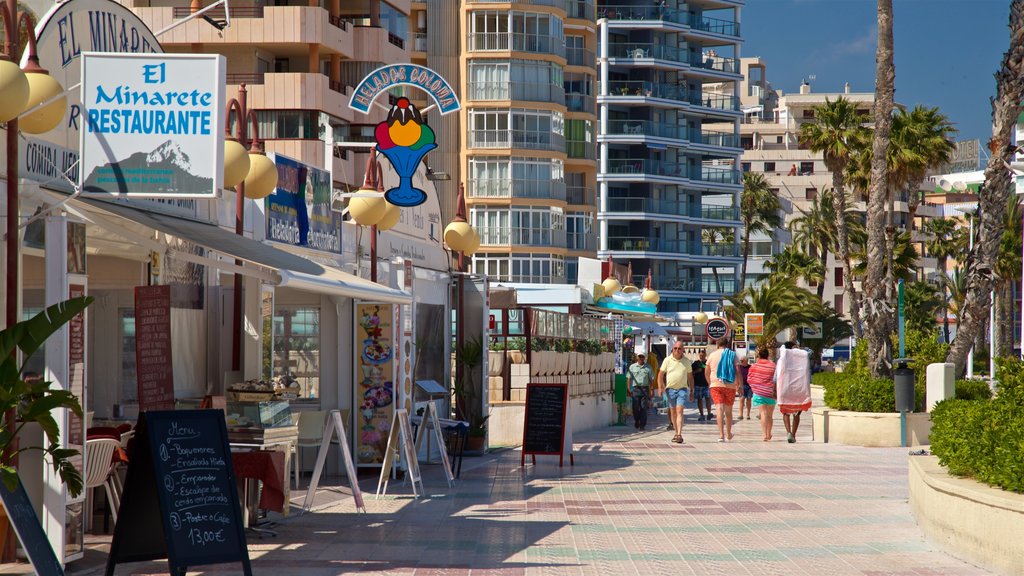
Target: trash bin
(904, 382)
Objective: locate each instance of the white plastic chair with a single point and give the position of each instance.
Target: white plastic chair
(311, 433)
(98, 455)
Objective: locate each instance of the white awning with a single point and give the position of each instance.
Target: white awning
(334, 282)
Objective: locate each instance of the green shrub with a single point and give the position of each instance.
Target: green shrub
(972, 390)
(925, 349)
(860, 393)
(984, 439)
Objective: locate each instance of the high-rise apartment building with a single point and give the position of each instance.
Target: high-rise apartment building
(299, 61)
(526, 131)
(669, 185)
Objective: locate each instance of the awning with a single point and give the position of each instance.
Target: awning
(211, 237)
(649, 328)
(335, 282)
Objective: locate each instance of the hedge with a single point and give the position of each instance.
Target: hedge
(860, 393)
(973, 390)
(984, 439)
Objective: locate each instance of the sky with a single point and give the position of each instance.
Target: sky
(947, 51)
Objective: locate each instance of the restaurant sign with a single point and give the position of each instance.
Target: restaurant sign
(152, 125)
(299, 211)
(380, 80)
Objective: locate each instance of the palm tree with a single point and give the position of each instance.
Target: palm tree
(877, 307)
(942, 244)
(784, 305)
(814, 230)
(902, 261)
(759, 212)
(923, 302)
(931, 135)
(795, 265)
(1008, 271)
(836, 130)
(716, 237)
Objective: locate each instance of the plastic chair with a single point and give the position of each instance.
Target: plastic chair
(98, 468)
(311, 433)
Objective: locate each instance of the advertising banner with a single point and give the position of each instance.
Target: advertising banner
(299, 211)
(152, 125)
(753, 325)
(375, 375)
(153, 366)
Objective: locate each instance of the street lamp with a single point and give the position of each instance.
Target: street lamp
(254, 176)
(369, 207)
(21, 93)
(462, 238)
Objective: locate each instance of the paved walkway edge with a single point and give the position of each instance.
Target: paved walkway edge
(968, 519)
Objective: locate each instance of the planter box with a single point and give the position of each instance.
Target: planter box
(968, 519)
(495, 362)
(870, 428)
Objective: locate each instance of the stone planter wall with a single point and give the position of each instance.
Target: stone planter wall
(870, 428)
(967, 519)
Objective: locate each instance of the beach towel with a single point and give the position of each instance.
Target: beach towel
(793, 380)
(727, 366)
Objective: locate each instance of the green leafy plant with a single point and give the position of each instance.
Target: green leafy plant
(563, 345)
(973, 390)
(594, 347)
(861, 393)
(467, 391)
(541, 344)
(497, 345)
(517, 343)
(34, 402)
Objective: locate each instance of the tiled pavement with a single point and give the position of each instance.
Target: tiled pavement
(634, 503)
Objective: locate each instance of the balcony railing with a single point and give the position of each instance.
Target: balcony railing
(719, 101)
(580, 195)
(646, 90)
(516, 42)
(641, 13)
(719, 63)
(506, 90)
(585, 242)
(580, 57)
(647, 128)
(707, 285)
(579, 103)
(581, 9)
(396, 40)
(645, 166)
(716, 138)
(580, 150)
(636, 51)
(516, 139)
(420, 42)
(249, 78)
(646, 244)
(673, 208)
(716, 26)
(719, 175)
(505, 236)
(509, 188)
(250, 11)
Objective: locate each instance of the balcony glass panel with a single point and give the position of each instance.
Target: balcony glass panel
(647, 89)
(642, 13)
(516, 139)
(576, 56)
(506, 188)
(716, 25)
(715, 138)
(720, 64)
(672, 207)
(660, 51)
(580, 150)
(646, 244)
(518, 42)
(504, 90)
(580, 195)
(647, 128)
(728, 285)
(579, 103)
(720, 101)
(517, 236)
(720, 175)
(645, 166)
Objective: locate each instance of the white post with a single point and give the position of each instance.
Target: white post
(56, 352)
(970, 247)
(602, 162)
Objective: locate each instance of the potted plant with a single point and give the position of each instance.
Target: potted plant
(541, 361)
(515, 348)
(468, 393)
(24, 402)
(496, 357)
(562, 349)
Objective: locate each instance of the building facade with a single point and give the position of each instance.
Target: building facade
(669, 185)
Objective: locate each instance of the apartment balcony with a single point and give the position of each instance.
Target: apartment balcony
(420, 42)
(255, 24)
(580, 57)
(487, 188)
(373, 44)
(581, 242)
(290, 91)
(575, 102)
(715, 26)
(646, 52)
(718, 175)
(580, 10)
(716, 68)
(580, 150)
(713, 102)
(516, 42)
(684, 210)
(530, 140)
(646, 244)
(630, 168)
(695, 285)
(716, 139)
(626, 15)
(632, 90)
(506, 90)
(641, 130)
(580, 196)
(508, 236)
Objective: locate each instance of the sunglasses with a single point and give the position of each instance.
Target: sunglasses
(674, 349)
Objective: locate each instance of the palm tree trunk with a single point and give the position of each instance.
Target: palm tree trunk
(718, 281)
(1006, 320)
(877, 305)
(1006, 107)
(890, 248)
(821, 285)
(746, 254)
(945, 302)
(843, 249)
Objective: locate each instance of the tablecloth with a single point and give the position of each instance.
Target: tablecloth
(266, 466)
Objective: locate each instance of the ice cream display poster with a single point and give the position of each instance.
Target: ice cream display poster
(404, 139)
(375, 381)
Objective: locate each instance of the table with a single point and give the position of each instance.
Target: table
(266, 466)
(281, 440)
(455, 433)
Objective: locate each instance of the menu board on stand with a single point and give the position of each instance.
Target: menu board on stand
(180, 498)
(544, 429)
(153, 348)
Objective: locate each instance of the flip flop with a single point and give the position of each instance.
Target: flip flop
(721, 439)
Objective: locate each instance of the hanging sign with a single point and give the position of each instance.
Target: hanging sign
(380, 80)
(717, 328)
(299, 210)
(753, 324)
(152, 125)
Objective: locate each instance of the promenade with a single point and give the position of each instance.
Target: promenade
(634, 503)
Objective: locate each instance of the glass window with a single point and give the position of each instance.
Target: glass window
(126, 356)
(769, 166)
(296, 350)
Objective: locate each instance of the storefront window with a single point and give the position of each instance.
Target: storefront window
(126, 333)
(296, 351)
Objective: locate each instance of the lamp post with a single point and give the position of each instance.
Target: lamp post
(254, 176)
(368, 207)
(462, 238)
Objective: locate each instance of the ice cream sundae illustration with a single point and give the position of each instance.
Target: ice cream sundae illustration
(405, 139)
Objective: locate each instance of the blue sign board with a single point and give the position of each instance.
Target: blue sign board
(299, 211)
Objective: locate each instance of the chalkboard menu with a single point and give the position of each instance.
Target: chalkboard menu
(26, 524)
(153, 348)
(544, 427)
(180, 499)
